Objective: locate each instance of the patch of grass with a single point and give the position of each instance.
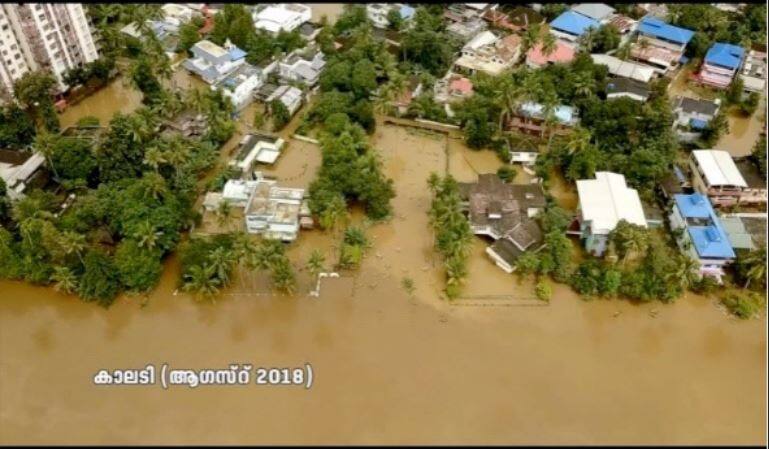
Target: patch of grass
(744, 304)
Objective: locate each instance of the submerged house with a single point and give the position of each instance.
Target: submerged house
(489, 54)
(505, 213)
(213, 63)
(530, 118)
(563, 53)
(303, 65)
(691, 116)
(255, 147)
(702, 235)
(281, 17)
(660, 44)
(720, 65)
(290, 96)
(715, 175)
(603, 202)
(240, 84)
(753, 72)
(626, 87)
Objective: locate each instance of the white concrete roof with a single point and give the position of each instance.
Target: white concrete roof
(626, 69)
(606, 200)
(481, 39)
(719, 168)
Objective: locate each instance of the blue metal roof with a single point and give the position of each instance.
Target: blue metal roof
(710, 240)
(407, 12)
(236, 53)
(573, 23)
(698, 124)
(725, 55)
(657, 28)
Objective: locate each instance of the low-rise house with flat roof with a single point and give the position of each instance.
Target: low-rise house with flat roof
(281, 17)
(188, 124)
(303, 65)
(275, 212)
(256, 147)
(571, 25)
(213, 63)
(489, 54)
(464, 30)
(701, 235)
(691, 116)
(715, 175)
(530, 118)
(240, 84)
(625, 87)
(290, 96)
(753, 72)
(377, 13)
(18, 169)
(505, 213)
(720, 65)
(563, 53)
(603, 202)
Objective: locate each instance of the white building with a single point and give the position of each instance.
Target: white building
(715, 175)
(257, 148)
(489, 54)
(303, 65)
(753, 71)
(17, 168)
(212, 62)
(240, 85)
(290, 96)
(54, 37)
(281, 17)
(275, 212)
(603, 202)
(377, 13)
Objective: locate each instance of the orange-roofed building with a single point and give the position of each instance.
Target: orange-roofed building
(563, 54)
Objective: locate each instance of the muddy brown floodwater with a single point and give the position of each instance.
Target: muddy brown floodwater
(117, 96)
(389, 367)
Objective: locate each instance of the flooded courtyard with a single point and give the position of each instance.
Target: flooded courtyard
(390, 367)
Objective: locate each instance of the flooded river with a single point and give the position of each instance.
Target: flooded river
(389, 367)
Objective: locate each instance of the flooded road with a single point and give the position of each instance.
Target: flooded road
(389, 368)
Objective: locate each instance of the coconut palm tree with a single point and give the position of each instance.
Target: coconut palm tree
(587, 40)
(154, 157)
(221, 260)
(753, 266)
(72, 243)
(530, 37)
(147, 235)
(65, 280)
(282, 276)
(154, 184)
(201, 280)
(44, 145)
(315, 263)
(549, 44)
(578, 141)
(224, 213)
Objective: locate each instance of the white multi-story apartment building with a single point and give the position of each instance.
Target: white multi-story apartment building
(54, 37)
